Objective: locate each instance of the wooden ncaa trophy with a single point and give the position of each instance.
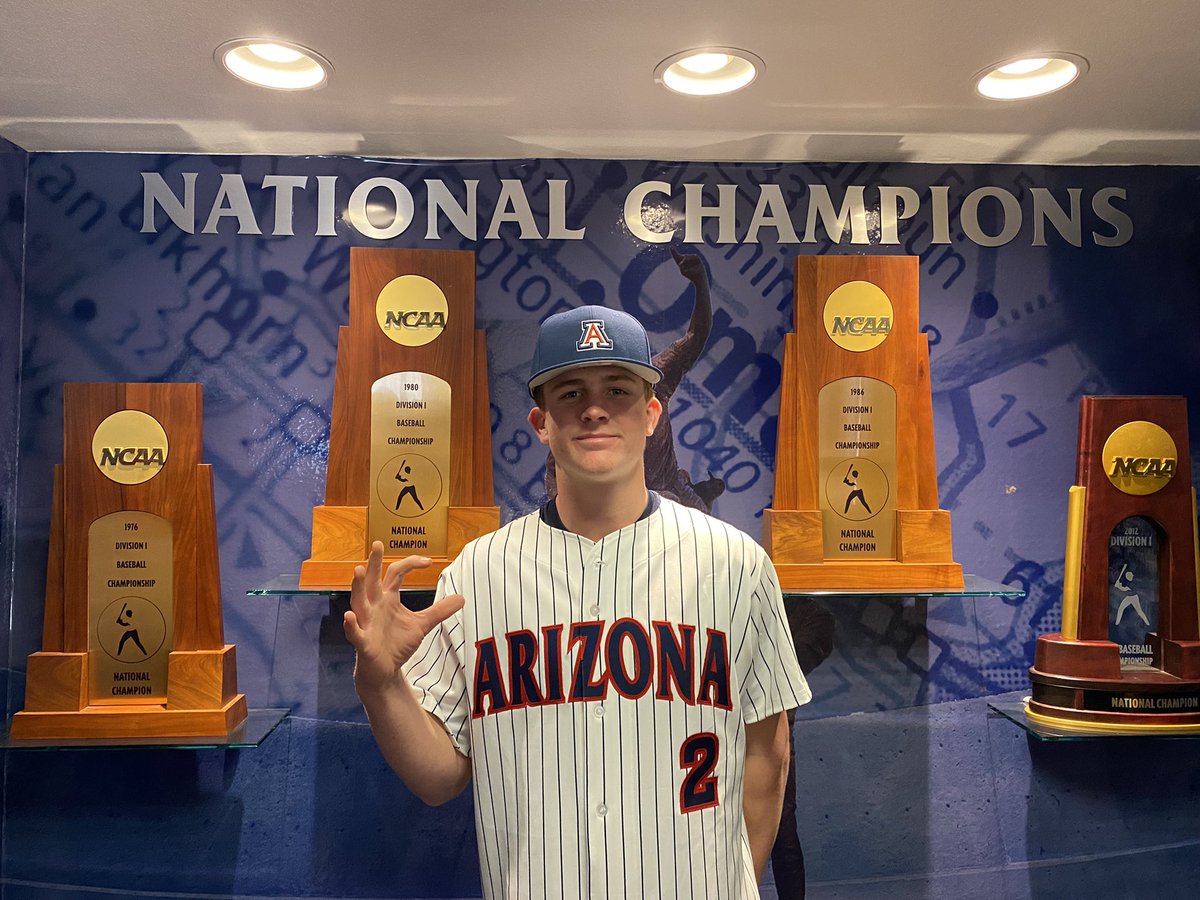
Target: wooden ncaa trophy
(132, 643)
(410, 450)
(856, 503)
(1133, 462)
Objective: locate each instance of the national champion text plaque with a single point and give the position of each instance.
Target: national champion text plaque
(858, 468)
(410, 463)
(855, 505)
(130, 607)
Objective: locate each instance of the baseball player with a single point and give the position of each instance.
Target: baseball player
(612, 670)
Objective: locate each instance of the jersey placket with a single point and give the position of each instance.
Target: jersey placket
(600, 800)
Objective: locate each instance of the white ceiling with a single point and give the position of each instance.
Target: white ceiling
(845, 80)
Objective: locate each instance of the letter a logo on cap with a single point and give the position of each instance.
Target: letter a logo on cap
(594, 336)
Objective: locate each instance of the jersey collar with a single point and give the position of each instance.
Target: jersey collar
(549, 512)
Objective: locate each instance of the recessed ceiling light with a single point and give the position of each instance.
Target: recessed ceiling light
(279, 65)
(1030, 76)
(707, 71)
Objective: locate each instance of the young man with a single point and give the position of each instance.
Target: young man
(613, 671)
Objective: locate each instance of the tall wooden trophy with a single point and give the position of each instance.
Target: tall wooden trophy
(132, 643)
(410, 451)
(856, 502)
(1133, 464)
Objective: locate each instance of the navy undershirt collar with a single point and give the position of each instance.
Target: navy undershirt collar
(549, 511)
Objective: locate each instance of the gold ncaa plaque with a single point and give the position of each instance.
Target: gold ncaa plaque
(858, 316)
(130, 446)
(410, 464)
(411, 310)
(1139, 458)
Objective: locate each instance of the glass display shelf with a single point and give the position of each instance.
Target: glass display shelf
(1014, 712)
(251, 733)
(973, 586)
(289, 586)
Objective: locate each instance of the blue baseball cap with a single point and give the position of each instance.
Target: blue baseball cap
(591, 336)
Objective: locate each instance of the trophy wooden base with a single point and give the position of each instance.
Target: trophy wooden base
(339, 544)
(882, 576)
(1100, 695)
(1139, 700)
(793, 540)
(338, 574)
(129, 722)
(200, 702)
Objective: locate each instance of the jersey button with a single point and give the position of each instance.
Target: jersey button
(599, 710)
(602, 810)
(595, 609)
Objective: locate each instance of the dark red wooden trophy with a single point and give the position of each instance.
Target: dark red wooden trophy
(1133, 462)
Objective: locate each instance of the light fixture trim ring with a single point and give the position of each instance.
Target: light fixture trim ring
(739, 63)
(311, 60)
(1080, 63)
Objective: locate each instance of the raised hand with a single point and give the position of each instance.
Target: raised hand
(382, 630)
(690, 266)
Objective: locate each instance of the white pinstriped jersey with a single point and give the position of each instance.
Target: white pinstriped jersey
(602, 691)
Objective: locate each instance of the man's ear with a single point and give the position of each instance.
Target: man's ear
(653, 414)
(537, 420)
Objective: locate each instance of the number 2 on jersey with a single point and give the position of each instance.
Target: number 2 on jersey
(698, 756)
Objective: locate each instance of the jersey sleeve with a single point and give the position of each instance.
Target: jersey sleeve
(437, 674)
(774, 682)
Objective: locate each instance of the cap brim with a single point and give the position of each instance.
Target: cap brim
(649, 374)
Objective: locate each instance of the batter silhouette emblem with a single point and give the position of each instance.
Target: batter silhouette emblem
(125, 620)
(857, 489)
(409, 485)
(856, 492)
(409, 489)
(1131, 600)
(131, 629)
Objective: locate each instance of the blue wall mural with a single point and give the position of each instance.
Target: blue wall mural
(1038, 285)
(13, 166)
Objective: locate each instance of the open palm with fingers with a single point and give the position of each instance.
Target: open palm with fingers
(382, 630)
